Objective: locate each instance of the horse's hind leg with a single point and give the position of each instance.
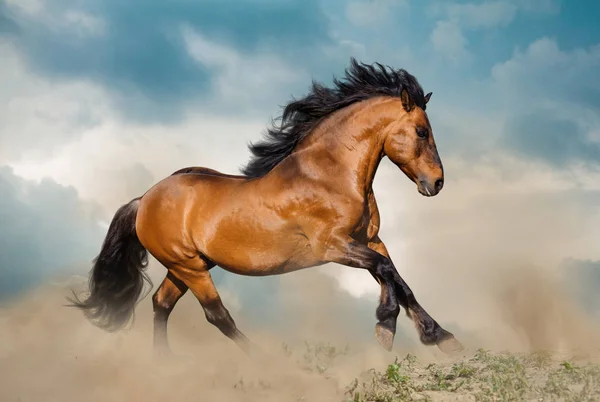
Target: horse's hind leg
(197, 277)
(216, 313)
(163, 301)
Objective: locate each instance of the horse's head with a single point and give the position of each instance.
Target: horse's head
(409, 143)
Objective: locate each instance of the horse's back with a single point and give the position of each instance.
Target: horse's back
(201, 170)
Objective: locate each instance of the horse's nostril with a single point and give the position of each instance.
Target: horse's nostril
(439, 183)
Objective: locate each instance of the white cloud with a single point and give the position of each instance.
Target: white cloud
(448, 35)
(448, 39)
(242, 79)
(562, 83)
(85, 23)
(104, 162)
(482, 16)
(74, 21)
(208, 53)
(46, 230)
(40, 114)
(543, 64)
(544, 50)
(358, 50)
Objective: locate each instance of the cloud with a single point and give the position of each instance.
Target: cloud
(62, 21)
(541, 104)
(551, 98)
(84, 23)
(559, 142)
(242, 80)
(115, 161)
(490, 14)
(45, 231)
(142, 55)
(543, 70)
(40, 114)
(449, 38)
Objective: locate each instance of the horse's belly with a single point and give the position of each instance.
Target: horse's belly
(261, 254)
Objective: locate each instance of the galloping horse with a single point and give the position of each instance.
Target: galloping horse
(305, 199)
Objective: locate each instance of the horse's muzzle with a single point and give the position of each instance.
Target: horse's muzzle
(430, 188)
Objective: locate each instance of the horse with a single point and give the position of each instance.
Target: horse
(304, 199)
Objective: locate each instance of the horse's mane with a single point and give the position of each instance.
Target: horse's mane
(300, 117)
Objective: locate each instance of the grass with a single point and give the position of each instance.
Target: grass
(484, 377)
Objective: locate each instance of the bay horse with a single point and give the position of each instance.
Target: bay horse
(304, 199)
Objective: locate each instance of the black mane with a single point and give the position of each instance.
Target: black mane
(299, 118)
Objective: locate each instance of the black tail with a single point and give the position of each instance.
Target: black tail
(117, 278)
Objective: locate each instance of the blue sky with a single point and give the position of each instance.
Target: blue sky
(103, 98)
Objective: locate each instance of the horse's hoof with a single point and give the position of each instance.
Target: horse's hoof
(450, 346)
(384, 336)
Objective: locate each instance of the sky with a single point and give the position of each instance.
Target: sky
(99, 100)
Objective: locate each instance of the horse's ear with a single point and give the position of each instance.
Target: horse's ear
(427, 97)
(407, 102)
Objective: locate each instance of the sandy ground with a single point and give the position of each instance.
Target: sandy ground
(51, 353)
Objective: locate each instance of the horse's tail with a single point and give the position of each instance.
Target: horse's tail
(117, 278)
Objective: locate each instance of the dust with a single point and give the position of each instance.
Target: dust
(49, 352)
(542, 312)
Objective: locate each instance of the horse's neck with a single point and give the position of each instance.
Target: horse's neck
(352, 142)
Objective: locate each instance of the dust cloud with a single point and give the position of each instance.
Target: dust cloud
(49, 352)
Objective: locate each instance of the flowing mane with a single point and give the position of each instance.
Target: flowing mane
(300, 117)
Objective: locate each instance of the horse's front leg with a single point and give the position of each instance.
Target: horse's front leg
(430, 332)
(347, 251)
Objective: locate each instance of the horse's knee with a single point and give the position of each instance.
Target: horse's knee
(161, 305)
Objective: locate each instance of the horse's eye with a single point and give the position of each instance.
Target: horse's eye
(422, 132)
